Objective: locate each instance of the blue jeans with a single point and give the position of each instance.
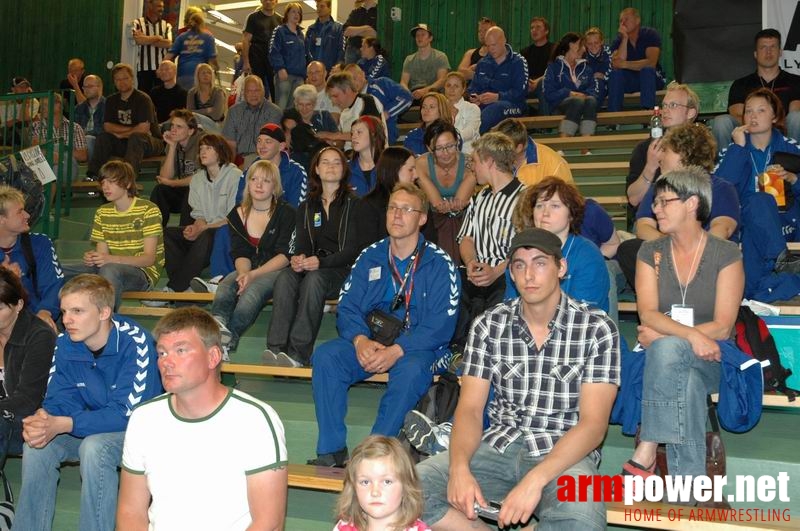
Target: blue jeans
(122, 277)
(239, 312)
(284, 91)
(100, 456)
(578, 112)
(498, 473)
(674, 410)
(621, 82)
(336, 368)
(723, 125)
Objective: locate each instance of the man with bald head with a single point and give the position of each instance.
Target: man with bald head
(634, 62)
(317, 75)
(91, 113)
(500, 84)
(76, 73)
(169, 95)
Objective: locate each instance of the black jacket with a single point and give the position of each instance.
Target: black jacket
(334, 239)
(278, 237)
(27, 357)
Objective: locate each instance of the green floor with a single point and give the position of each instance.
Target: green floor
(770, 448)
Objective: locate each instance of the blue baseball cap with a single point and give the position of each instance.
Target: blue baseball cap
(741, 390)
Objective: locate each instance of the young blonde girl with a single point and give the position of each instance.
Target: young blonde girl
(381, 490)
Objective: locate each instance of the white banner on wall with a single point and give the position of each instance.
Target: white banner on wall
(784, 16)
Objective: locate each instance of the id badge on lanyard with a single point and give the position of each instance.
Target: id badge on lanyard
(683, 313)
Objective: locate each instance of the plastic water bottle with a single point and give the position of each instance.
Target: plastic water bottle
(656, 128)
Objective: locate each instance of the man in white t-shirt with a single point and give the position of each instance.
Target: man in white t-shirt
(210, 456)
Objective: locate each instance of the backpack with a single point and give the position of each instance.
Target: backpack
(754, 339)
(438, 404)
(18, 175)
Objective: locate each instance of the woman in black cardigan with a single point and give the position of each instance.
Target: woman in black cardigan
(27, 345)
(326, 245)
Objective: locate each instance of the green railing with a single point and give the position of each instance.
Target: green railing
(19, 113)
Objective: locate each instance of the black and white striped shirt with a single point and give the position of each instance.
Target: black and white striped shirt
(151, 56)
(537, 390)
(488, 222)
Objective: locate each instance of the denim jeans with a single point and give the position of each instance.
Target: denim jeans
(336, 368)
(578, 112)
(297, 305)
(122, 277)
(100, 456)
(284, 90)
(498, 473)
(10, 438)
(239, 312)
(674, 409)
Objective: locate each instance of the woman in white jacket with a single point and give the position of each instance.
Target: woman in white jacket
(466, 115)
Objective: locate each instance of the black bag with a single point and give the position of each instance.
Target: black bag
(384, 327)
(438, 404)
(753, 338)
(18, 175)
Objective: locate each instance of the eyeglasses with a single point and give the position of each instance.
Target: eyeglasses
(404, 211)
(660, 202)
(445, 148)
(673, 105)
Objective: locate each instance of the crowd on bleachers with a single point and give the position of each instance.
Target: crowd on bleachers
(471, 247)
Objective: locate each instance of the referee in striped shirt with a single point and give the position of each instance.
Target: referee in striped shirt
(153, 36)
(485, 236)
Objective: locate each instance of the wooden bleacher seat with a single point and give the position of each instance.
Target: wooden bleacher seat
(599, 169)
(303, 373)
(549, 122)
(627, 140)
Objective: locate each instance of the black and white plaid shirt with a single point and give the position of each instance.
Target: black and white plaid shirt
(537, 390)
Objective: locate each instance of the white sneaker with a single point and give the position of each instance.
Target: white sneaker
(159, 304)
(224, 332)
(205, 286)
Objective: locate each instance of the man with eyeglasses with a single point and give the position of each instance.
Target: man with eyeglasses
(404, 282)
(679, 106)
(90, 114)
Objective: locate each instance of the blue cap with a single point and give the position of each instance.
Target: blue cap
(741, 390)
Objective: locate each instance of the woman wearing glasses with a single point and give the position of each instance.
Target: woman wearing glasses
(448, 182)
(683, 146)
(326, 245)
(368, 139)
(571, 88)
(689, 286)
(433, 106)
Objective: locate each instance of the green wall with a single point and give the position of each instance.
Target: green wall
(40, 36)
(454, 22)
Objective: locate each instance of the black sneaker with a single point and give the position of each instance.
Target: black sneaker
(335, 460)
(787, 263)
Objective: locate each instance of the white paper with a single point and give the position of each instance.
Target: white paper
(36, 161)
